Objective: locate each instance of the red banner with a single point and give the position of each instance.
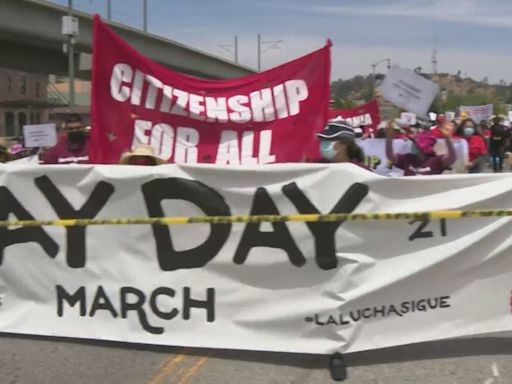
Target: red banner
(366, 115)
(269, 117)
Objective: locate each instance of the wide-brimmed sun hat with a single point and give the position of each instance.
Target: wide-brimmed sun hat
(141, 150)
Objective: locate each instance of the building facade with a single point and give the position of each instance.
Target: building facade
(24, 99)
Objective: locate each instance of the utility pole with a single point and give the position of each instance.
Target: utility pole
(434, 57)
(109, 10)
(71, 60)
(274, 44)
(227, 47)
(145, 13)
(259, 52)
(236, 49)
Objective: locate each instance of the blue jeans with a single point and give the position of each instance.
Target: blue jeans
(497, 162)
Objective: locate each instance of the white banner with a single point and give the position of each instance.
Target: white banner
(477, 112)
(408, 90)
(377, 161)
(291, 287)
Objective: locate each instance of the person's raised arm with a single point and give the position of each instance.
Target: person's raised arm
(389, 143)
(447, 131)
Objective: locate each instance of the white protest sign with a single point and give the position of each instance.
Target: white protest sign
(477, 112)
(377, 161)
(40, 135)
(408, 90)
(408, 118)
(275, 287)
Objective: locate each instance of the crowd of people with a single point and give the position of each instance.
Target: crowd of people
(488, 145)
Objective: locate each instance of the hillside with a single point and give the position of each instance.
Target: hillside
(455, 91)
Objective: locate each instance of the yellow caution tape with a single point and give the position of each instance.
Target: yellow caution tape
(259, 219)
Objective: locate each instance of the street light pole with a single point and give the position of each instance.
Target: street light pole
(374, 66)
(71, 60)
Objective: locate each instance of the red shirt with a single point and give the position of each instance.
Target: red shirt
(476, 147)
(436, 132)
(411, 165)
(63, 154)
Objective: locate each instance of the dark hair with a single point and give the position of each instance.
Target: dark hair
(354, 151)
(74, 118)
(460, 128)
(381, 134)
(5, 153)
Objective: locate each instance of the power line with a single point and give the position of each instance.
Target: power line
(272, 44)
(227, 48)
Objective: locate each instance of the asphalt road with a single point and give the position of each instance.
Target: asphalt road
(55, 361)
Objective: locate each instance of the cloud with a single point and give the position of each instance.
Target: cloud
(488, 13)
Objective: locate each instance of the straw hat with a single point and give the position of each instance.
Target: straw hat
(141, 150)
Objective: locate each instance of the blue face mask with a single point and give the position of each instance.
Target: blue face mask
(327, 149)
(469, 131)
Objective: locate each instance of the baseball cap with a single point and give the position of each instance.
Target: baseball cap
(334, 130)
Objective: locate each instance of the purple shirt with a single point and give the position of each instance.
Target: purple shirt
(432, 165)
(63, 154)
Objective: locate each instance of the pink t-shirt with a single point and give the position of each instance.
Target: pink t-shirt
(63, 154)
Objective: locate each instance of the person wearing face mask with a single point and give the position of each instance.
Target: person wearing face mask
(498, 142)
(477, 147)
(422, 160)
(73, 148)
(337, 145)
(141, 155)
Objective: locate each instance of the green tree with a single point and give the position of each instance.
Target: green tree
(343, 103)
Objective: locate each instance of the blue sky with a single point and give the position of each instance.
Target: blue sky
(473, 36)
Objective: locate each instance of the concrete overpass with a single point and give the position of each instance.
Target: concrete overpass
(31, 40)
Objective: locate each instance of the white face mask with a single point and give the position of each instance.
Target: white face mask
(327, 149)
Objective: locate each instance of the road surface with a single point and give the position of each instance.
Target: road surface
(55, 361)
